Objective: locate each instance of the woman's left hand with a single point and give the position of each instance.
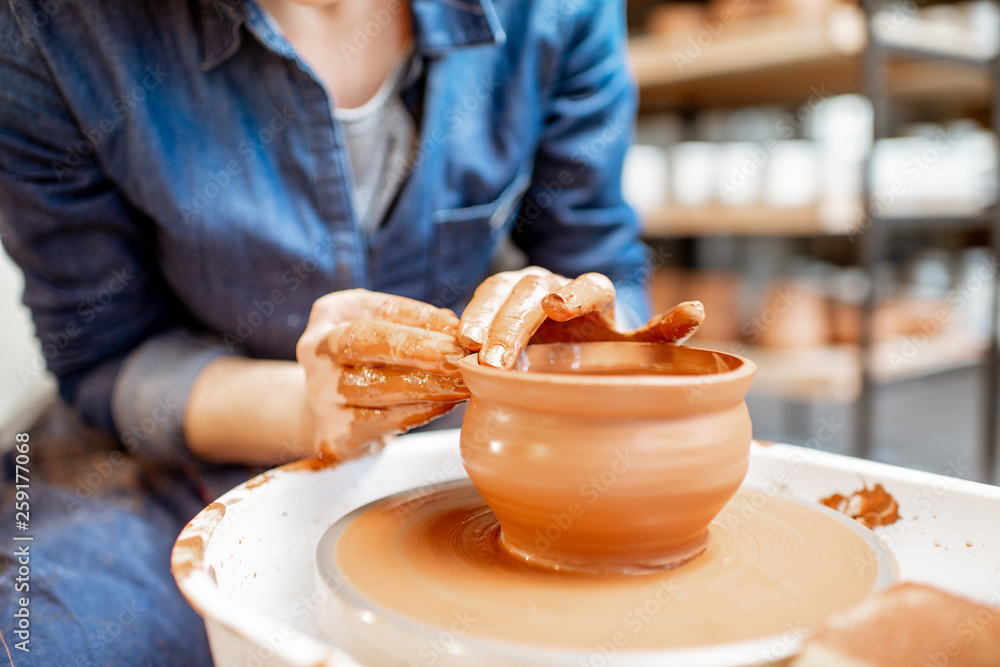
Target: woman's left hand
(511, 309)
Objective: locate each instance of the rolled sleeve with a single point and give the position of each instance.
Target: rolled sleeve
(150, 393)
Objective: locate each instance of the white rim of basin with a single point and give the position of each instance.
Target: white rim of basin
(197, 582)
(199, 588)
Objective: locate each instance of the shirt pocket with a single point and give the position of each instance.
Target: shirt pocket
(464, 241)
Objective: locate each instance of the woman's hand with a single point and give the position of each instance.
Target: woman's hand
(377, 365)
(510, 309)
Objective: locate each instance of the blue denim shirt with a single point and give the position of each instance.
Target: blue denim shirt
(171, 173)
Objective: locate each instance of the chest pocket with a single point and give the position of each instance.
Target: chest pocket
(464, 241)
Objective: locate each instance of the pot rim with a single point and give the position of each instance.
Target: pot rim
(746, 369)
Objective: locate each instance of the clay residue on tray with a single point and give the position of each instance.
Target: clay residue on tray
(872, 507)
(310, 465)
(259, 480)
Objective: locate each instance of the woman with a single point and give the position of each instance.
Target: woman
(182, 180)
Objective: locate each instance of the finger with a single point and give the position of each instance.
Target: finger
(370, 425)
(675, 326)
(370, 387)
(591, 292)
(518, 318)
(478, 315)
(361, 304)
(414, 313)
(487, 300)
(366, 342)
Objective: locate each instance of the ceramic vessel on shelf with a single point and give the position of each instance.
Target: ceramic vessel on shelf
(608, 457)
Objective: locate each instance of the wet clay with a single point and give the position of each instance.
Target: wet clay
(871, 507)
(909, 624)
(371, 424)
(590, 463)
(427, 558)
(367, 386)
(675, 326)
(516, 321)
(372, 342)
(591, 292)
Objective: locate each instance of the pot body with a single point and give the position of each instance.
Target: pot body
(608, 457)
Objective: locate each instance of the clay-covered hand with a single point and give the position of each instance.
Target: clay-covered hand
(511, 309)
(377, 365)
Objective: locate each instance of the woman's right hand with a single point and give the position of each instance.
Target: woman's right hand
(376, 365)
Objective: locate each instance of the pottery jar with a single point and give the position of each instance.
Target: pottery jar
(607, 457)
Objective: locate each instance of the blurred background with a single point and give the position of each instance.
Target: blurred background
(823, 176)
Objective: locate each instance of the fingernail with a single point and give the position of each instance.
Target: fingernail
(493, 355)
(475, 333)
(454, 354)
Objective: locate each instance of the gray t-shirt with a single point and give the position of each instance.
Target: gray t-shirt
(381, 141)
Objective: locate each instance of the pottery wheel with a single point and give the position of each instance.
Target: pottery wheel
(775, 569)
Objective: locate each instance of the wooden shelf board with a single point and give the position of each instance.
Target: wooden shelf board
(776, 59)
(717, 220)
(833, 373)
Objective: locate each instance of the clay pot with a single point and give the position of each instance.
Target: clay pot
(608, 457)
(796, 316)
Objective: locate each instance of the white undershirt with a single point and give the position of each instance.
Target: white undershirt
(381, 139)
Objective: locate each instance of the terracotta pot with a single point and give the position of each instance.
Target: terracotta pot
(608, 457)
(796, 316)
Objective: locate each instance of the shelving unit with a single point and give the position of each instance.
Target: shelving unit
(833, 374)
(784, 60)
(780, 59)
(878, 59)
(756, 220)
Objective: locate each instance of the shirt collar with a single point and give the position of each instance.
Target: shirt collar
(439, 26)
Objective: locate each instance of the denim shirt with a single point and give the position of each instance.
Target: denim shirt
(174, 185)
